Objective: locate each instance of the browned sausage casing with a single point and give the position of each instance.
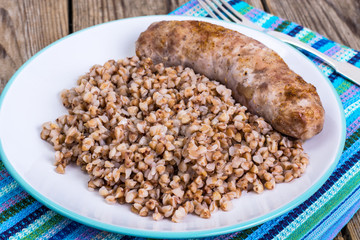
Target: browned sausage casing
(258, 77)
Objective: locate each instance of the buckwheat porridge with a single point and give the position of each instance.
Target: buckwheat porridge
(167, 141)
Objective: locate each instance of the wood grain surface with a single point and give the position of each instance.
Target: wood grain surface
(338, 20)
(352, 229)
(90, 12)
(27, 26)
(339, 237)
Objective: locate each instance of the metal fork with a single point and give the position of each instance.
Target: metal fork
(228, 13)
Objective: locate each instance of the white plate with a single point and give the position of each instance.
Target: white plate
(32, 98)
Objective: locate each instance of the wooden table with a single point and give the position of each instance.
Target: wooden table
(27, 26)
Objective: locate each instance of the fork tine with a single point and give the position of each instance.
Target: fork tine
(232, 9)
(207, 9)
(215, 9)
(230, 15)
(211, 8)
(241, 17)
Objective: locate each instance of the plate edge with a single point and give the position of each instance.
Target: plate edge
(156, 234)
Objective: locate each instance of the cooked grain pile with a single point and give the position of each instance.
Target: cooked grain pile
(167, 141)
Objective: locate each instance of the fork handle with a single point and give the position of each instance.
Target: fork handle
(344, 68)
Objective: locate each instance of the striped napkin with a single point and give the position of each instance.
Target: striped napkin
(320, 217)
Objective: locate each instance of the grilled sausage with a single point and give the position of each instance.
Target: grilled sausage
(258, 77)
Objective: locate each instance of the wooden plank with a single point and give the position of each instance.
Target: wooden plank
(339, 237)
(26, 27)
(255, 3)
(90, 12)
(87, 13)
(352, 229)
(337, 20)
